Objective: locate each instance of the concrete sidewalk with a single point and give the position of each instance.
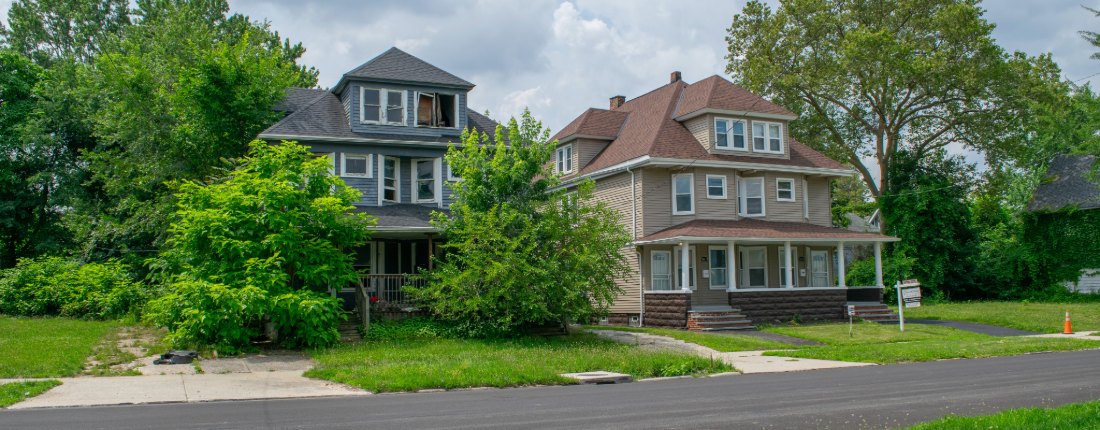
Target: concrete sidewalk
(275, 375)
(743, 361)
(1087, 335)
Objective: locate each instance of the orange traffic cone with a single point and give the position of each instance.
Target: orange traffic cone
(1069, 327)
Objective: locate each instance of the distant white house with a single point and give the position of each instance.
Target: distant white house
(1067, 185)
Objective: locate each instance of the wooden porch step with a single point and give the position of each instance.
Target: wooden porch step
(349, 329)
(718, 318)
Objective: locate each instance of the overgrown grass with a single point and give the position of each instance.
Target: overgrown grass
(15, 392)
(47, 347)
(1039, 317)
(415, 364)
(884, 344)
(717, 342)
(1074, 416)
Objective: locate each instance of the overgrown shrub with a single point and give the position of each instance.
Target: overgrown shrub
(200, 313)
(66, 287)
(412, 328)
(305, 319)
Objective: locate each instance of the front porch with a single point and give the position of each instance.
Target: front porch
(702, 273)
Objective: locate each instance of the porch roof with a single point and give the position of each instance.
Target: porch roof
(755, 229)
(402, 217)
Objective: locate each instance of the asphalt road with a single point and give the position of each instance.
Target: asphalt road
(864, 397)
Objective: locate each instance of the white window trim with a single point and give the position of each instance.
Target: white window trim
(743, 196)
(382, 179)
(780, 199)
(744, 272)
(414, 181)
(805, 199)
(729, 134)
(671, 270)
(767, 138)
(368, 158)
(416, 108)
(691, 194)
(451, 174)
(710, 259)
(561, 162)
(383, 99)
(725, 186)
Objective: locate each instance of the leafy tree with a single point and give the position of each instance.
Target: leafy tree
(184, 89)
(49, 30)
(926, 205)
(850, 196)
(267, 240)
(521, 251)
(871, 78)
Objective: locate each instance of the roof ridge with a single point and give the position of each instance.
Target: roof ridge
(669, 113)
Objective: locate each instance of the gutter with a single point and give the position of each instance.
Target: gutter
(646, 160)
(637, 254)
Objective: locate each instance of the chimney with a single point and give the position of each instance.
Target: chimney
(675, 77)
(617, 101)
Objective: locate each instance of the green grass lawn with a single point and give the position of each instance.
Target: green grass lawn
(15, 392)
(717, 342)
(408, 365)
(1039, 317)
(47, 347)
(884, 344)
(1073, 416)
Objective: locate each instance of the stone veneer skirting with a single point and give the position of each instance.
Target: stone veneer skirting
(783, 305)
(666, 310)
(619, 319)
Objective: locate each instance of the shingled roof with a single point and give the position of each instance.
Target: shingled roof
(647, 125)
(396, 65)
(1067, 184)
(760, 230)
(324, 117)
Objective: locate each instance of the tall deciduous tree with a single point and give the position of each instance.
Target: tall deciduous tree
(873, 77)
(519, 251)
(48, 30)
(184, 89)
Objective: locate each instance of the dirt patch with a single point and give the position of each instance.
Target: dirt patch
(122, 352)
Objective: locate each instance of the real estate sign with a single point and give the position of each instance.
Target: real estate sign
(908, 297)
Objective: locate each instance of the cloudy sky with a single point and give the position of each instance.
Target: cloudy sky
(560, 57)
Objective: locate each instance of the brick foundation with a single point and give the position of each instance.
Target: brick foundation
(785, 304)
(666, 309)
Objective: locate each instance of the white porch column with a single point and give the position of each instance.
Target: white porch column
(840, 265)
(787, 261)
(731, 266)
(878, 265)
(685, 267)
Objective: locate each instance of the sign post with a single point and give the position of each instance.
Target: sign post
(851, 315)
(908, 297)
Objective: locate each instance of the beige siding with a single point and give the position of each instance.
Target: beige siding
(584, 150)
(716, 208)
(702, 127)
(657, 200)
(782, 211)
(821, 201)
(615, 192)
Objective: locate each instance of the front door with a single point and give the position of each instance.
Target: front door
(819, 268)
(660, 270)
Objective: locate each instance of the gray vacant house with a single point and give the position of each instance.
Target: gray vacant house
(1065, 203)
(385, 127)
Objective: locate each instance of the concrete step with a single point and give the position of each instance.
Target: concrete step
(737, 327)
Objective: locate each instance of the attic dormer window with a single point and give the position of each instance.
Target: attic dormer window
(436, 110)
(767, 137)
(729, 134)
(381, 106)
(564, 158)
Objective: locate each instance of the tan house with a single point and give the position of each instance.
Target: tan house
(730, 216)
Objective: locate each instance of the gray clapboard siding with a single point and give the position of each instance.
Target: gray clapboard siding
(352, 93)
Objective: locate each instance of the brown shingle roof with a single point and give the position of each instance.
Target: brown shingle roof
(717, 93)
(759, 229)
(650, 128)
(594, 123)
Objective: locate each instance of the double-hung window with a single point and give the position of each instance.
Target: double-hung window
(716, 186)
(683, 195)
(356, 166)
(390, 185)
(784, 190)
(752, 197)
(729, 134)
(381, 106)
(767, 137)
(564, 157)
(423, 178)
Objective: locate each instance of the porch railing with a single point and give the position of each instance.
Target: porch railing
(387, 292)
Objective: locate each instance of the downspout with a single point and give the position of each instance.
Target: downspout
(637, 253)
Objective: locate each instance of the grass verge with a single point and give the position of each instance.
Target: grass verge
(15, 392)
(1074, 416)
(47, 347)
(884, 344)
(717, 342)
(1038, 317)
(415, 364)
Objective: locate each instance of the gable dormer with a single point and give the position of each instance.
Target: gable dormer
(728, 119)
(399, 94)
(584, 138)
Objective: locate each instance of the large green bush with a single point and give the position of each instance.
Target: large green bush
(65, 287)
